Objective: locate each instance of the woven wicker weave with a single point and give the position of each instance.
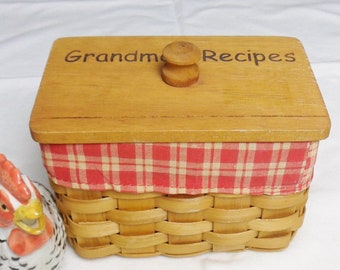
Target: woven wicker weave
(138, 225)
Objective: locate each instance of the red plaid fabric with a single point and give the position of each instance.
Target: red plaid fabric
(178, 168)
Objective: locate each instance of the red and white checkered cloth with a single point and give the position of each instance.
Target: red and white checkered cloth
(183, 168)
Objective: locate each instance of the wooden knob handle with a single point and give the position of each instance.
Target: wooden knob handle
(181, 69)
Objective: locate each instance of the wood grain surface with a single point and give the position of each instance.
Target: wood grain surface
(109, 89)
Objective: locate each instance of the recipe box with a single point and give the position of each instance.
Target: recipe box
(142, 168)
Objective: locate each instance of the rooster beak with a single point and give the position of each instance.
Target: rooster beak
(30, 217)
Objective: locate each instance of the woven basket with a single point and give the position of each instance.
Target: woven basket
(138, 225)
(243, 128)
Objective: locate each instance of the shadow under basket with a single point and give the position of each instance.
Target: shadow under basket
(104, 223)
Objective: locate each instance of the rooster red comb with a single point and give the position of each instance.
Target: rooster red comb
(10, 178)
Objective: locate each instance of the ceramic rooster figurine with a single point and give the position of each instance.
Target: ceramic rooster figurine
(32, 234)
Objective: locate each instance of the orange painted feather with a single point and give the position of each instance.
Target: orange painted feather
(10, 178)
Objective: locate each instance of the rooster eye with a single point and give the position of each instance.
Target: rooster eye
(3, 207)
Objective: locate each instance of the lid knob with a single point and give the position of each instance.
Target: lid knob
(181, 69)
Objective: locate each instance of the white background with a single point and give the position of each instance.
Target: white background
(28, 28)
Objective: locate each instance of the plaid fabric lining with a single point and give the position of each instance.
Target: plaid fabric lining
(183, 168)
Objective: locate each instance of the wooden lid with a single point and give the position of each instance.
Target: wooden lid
(110, 89)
